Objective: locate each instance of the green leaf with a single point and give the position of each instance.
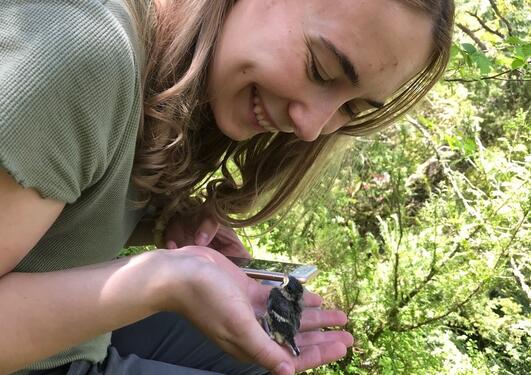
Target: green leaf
(451, 140)
(454, 51)
(468, 59)
(483, 62)
(469, 48)
(469, 146)
(513, 40)
(504, 61)
(520, 148)
(523, 51)
(526, 50)
(517, 63)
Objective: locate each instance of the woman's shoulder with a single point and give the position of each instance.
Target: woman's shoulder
(64, 50)
(48, 35)
(69, 91)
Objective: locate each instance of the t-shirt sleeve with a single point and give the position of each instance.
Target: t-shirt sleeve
(66, 75)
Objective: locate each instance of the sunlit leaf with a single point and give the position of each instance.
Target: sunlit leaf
(484, 63)
(469, 48)
(517, 63)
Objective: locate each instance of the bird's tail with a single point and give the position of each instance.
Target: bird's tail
(294, 348)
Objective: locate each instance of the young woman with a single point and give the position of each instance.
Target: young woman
(114, 115)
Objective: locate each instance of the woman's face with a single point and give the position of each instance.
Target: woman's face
(305, 66)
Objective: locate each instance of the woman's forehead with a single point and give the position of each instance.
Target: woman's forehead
(387, 41)
(350, 18)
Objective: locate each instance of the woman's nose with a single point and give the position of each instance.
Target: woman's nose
(310, 119)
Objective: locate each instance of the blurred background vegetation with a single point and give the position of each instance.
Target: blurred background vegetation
(422, 234)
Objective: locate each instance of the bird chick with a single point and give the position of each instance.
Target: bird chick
(282, 319)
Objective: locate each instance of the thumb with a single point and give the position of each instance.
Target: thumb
(206, 231)
(268, 354)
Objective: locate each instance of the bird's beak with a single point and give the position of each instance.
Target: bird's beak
(285, 281)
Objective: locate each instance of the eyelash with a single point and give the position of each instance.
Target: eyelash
(345, 108)
(315, 76)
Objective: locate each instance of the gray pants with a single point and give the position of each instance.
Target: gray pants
(162, 344)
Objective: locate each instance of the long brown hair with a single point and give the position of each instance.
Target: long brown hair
(179, 146)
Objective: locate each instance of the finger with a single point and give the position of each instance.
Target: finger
(311, 299)
(317, 355)
(313, 319)
(228, 242)
(251, 339)
(171, 244)
(206, 231)
(318, 337)
(233, 251)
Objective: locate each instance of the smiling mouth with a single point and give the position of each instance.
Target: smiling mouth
(261, 115)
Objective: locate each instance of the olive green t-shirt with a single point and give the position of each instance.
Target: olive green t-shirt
(70, 105)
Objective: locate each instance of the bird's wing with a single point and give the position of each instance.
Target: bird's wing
(282, 309)
(278, 303)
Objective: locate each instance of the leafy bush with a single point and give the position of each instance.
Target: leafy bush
(422, 233)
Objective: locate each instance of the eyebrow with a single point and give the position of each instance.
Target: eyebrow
(344, 61)
(348, 68)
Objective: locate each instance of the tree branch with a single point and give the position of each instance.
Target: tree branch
(409, 327)
(471, 34)
(496, 10)
(481, 78)
(520, 277)
(513, 80)
(485, 26)
(394, 311)
(513, 235)
(396, 194)
(453, 308)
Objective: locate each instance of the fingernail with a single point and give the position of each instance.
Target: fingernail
(283, 369)
(201, 239)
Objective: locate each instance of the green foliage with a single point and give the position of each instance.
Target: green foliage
(423, 235)
(491, 39)
(134, 250)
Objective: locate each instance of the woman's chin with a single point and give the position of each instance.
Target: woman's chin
(236, 132)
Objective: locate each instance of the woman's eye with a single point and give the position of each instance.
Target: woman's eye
(347, 110)
(314, 71)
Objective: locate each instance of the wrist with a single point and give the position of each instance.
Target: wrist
(170, 274)
(179, 274)
(150, 281)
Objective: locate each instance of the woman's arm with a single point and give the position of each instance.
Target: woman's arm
(24, 218)
(44, 313)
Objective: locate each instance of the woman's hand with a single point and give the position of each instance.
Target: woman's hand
(224, 303)
(203, 230)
